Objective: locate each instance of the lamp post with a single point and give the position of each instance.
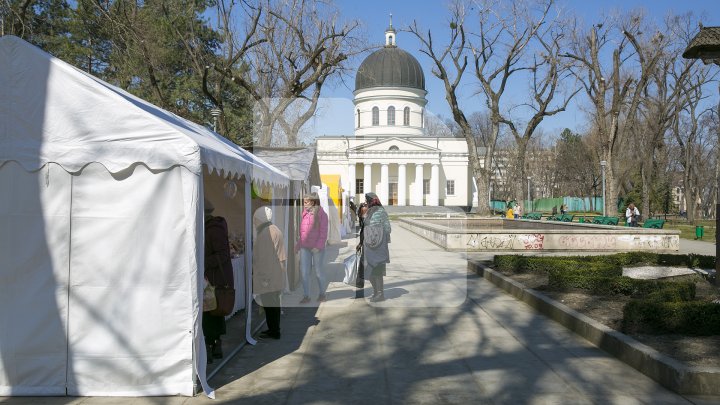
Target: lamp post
(531, 204)
(215, 112)
(706, 46)
(602, 168)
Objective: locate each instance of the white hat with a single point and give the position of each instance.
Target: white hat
(262, 215)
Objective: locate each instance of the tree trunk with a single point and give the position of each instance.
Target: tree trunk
(645, 210)
(520, 188)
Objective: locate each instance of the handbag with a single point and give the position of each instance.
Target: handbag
(209, 301)
(224, 293)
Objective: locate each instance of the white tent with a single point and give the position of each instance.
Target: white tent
(101, 232)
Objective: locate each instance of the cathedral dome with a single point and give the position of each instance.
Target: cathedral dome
(390, 67)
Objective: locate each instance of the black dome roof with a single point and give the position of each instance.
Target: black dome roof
(390, 67)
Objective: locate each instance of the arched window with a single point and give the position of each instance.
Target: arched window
(394, 147)
(391, 115)
(358, 122)
(375, 116)
(406, 116)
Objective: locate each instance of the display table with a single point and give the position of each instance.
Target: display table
(238, 264)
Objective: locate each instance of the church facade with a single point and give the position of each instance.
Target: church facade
(390, 152)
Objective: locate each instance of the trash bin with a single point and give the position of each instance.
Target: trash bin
(699, 231)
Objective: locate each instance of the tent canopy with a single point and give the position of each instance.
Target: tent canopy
(52, 112)
(300, 164)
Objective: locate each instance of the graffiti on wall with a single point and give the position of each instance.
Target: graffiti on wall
(507, 241)
(532, 241)
(670, 242)
(589, 242)
(491, 242)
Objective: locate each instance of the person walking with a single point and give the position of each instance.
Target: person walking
(632, 215)
(218, 271)
(375, 240)
(311, 245)
(269, 259)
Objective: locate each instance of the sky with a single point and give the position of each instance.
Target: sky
(335, 114)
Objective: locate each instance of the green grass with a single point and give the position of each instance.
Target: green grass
(687, 231)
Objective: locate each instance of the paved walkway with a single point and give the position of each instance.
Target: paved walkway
(442, 337)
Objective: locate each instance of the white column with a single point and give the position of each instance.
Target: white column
(402, 184)
(434, 185)
(418, 191)
(351, 181)
(367, 179)
(384, 174)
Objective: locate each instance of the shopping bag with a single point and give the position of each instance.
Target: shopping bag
(351, 269)
(209, 300)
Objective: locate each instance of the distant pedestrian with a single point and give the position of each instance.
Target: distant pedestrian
(554, 210)
(510, 214)
(517, 212)
(632, 215)
(563, 209)
(269, 258)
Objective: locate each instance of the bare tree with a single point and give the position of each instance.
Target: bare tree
(615, 91)
(496, 55)
(289, 52)
(546, 70)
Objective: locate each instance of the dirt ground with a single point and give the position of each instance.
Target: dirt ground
(692, 350)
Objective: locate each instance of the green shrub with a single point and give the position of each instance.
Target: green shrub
(673, 292)
(688, 318)
(513, 263)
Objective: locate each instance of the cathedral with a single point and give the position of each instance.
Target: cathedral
(390, 152)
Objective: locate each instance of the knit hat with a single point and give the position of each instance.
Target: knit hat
(370, 196)
(262, 215)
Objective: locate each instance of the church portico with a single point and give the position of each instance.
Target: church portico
(395, 183)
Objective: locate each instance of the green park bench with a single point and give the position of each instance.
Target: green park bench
(654, 223)
(606, 220)
(534, 216)
(566, 218)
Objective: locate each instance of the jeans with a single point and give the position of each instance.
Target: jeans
(308, 262)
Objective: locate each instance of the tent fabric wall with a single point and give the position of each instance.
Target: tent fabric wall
(33, 349)
(90, 286)
(101, 233)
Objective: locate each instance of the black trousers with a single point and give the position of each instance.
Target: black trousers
(271, 304)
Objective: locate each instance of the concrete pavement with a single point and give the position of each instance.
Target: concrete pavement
(442, 337)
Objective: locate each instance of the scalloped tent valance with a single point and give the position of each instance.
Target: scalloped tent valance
(52, 112)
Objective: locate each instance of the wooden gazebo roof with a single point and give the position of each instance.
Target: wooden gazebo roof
(705, 45)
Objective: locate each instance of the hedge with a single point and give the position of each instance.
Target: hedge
(609, 285)
(687, 318)
(518, 264)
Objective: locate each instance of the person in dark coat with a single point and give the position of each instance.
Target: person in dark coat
(218, 271)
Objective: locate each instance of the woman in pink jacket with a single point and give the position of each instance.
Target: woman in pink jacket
(313, 236)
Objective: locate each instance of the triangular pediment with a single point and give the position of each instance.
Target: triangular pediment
(402, 144)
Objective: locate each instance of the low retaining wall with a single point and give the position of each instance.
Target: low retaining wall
(494, 234)
(668, 372)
